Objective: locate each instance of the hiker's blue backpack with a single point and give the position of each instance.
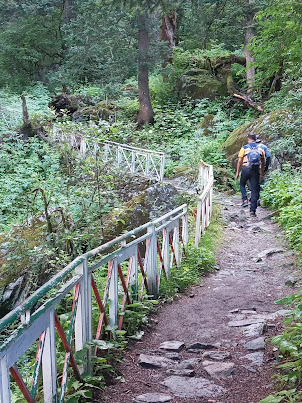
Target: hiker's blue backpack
(254, 157)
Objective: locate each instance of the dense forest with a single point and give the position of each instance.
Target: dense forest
(191, 78)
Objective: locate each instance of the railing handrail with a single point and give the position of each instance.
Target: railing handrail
(61, 275)
(143, 150)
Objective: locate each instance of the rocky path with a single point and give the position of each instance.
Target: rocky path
(210, 344)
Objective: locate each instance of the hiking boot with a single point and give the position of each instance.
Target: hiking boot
(245, 203)
(253, 213)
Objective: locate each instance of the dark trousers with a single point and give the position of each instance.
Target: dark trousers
(251, 175)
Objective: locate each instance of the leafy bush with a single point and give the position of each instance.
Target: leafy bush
(283, 192)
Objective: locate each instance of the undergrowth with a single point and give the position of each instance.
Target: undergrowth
(196, 262)
(283, 193)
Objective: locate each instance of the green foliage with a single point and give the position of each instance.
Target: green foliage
(290, 355)
(196, 262)
(37, 99)
(283, 193)
(277, 46)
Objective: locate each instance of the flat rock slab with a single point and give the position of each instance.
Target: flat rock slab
(201, 346)
(216, 355)
(154, 362)
(173, 356)
(269, 252)
(257, 329)
(153, 398)
(245, 322)
(180, 372)
(192, 387)
(219, 369)
(256, 344)
(255, 358)
(173, 345)
(188, 364)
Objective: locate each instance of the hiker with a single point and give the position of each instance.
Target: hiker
(266, 151)
(251, 161)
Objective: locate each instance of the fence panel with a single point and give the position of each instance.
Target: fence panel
(204, 206)
(136, 160)
(38, 328)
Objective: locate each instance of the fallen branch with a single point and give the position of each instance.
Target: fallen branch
(248, 101)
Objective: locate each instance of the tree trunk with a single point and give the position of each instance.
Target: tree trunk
(67, 8)
(249, 35)
(26, 129)
(145, 114)
(168, 30)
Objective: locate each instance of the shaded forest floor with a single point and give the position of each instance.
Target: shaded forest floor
(229, 318)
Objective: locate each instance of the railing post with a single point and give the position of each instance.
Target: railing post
(113, 296)
(198, 219)
(5, 396)
(162, 167)
(83, 315)
(185, 226)
(166, 250)
(49, 363)
(152, 262)
(147, 170)
(132, 161)
(134, 276)
(176, 244)
(119, 155)
(106, 152)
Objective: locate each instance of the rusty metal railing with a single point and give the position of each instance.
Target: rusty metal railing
(204, 206)
(134, 264)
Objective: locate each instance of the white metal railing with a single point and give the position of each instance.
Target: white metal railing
(136, 160)
(134, 268)
(204, 206)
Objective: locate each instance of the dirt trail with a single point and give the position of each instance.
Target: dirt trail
(231, 308)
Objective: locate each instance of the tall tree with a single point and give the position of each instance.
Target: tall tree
(249, 36)
(145, 114)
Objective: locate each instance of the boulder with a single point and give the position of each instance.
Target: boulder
(200, 83)
(261, 127)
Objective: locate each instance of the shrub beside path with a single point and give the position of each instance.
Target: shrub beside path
(220, 328)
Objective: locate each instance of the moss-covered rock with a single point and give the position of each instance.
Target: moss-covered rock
(200, 83)
(149, 204)
(95, 113)
(260, 127)
(207, 124)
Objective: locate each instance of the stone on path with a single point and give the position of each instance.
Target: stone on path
(153, 398)
(245, 322)
(216, 355)
(173, 356)
(188, 364)
(256, 344)
(257, 329)
(256, 358)
(153, 362)
(201, 346)
(291, 281)
(269, 252)
(174, 345)
(192, 387)
(180, 372)
(219, 369)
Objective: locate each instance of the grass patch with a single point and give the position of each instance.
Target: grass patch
(197, 262)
